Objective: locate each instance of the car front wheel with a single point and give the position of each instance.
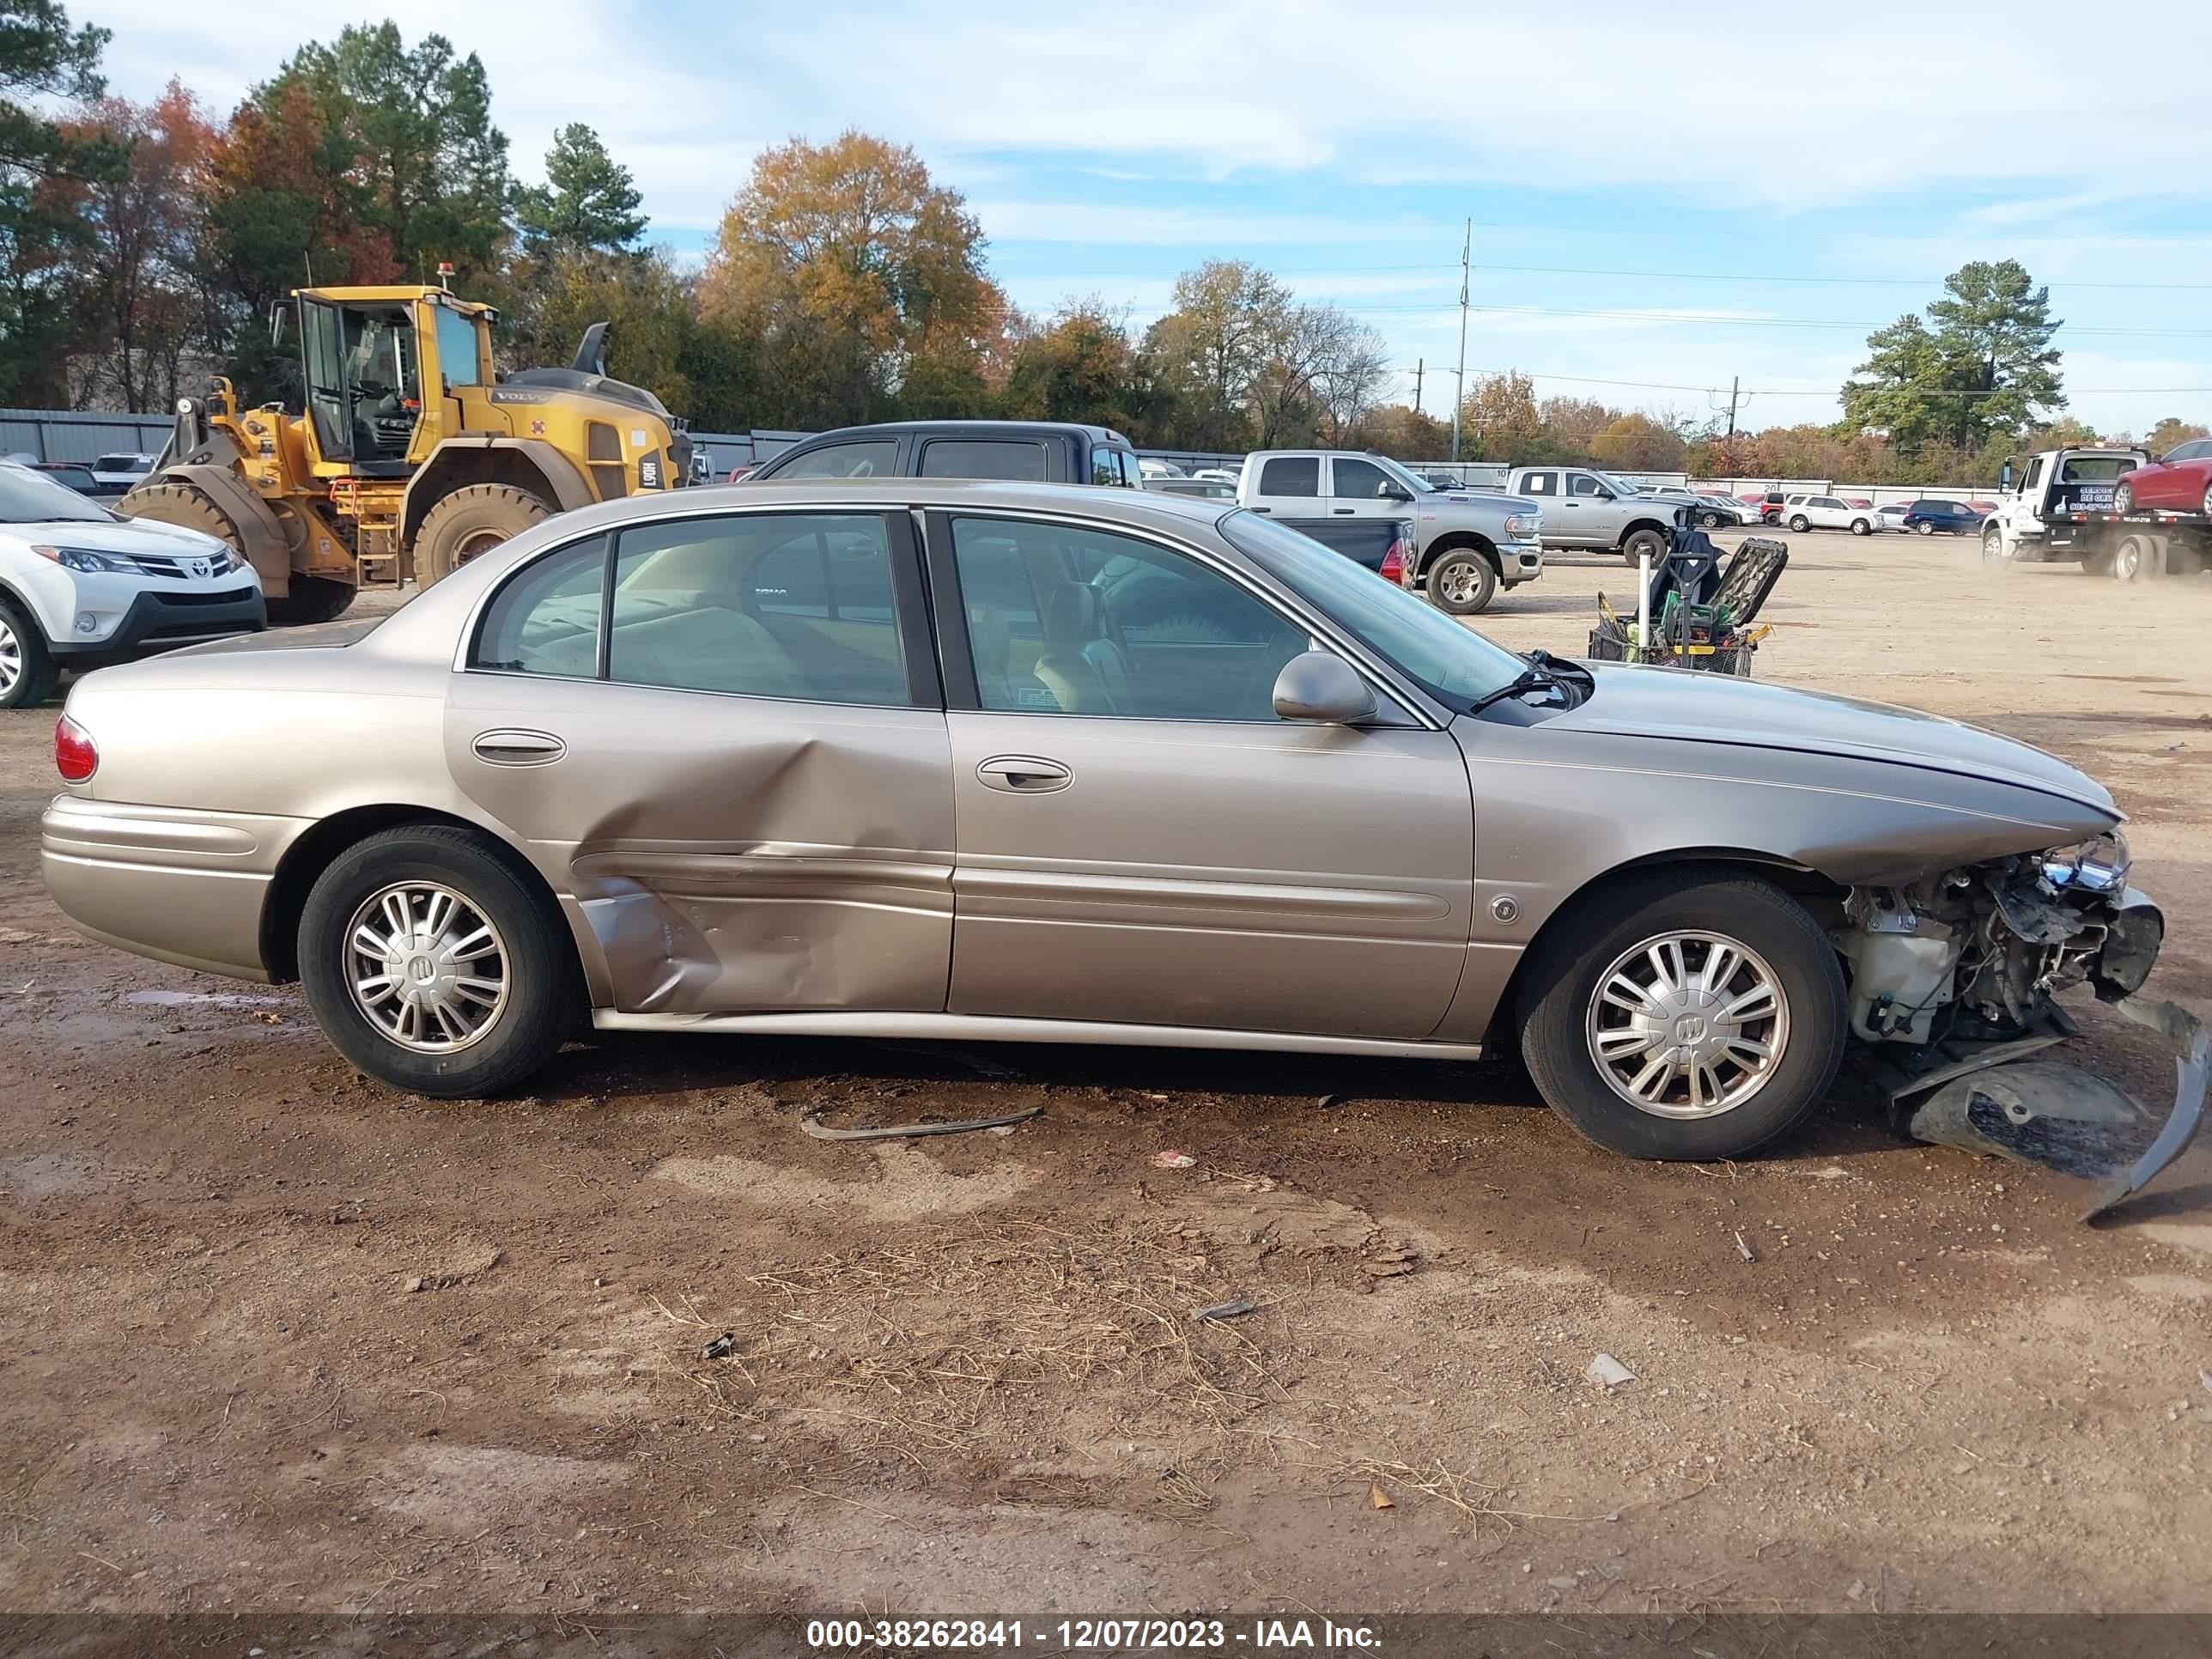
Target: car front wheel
(1860, 527)
(1674, 1020)
(1801, 524)
(28, 672)
(433, 966)
(1463, 583)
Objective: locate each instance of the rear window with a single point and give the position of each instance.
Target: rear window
(867, 457)
(990, 458)
(1290, 475)
(122, 463)
(2096, 469)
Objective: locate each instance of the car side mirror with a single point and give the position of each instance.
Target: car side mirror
(2004, 476)
(1604, 494)
(1388, 491)
(1321, 687)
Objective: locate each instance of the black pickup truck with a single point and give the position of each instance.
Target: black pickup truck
(1039, 451)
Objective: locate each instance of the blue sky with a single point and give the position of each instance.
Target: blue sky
(1663, 198)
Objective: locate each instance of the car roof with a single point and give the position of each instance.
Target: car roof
(1101, 434)
(995, 494)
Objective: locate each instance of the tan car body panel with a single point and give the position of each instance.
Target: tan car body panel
(1294, 886)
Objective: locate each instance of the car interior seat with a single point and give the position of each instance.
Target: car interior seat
(1083, 667)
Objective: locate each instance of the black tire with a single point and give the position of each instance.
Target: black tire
(1710, 520)
(28, 672)
(312, 600)
(1860, 527)
(542, 985)
(2139, 557)
(1653, 542)
(475, 519)
(1925, 527)
(2097, 564)
(1463, 582)
(1561, 982)
(1993, 549)
(1800, 524)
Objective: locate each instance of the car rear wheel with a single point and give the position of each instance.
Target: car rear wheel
(433, 967)
(1463, 583)
(2207, 503)
(1800, 523)
(28, 672)
(1925, 527)
(1674, 1018)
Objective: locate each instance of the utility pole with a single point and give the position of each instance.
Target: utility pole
(1459, 381)
(1419, 363)
(1728, 444)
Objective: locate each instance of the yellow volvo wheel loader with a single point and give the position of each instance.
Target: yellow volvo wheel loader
(412, 455)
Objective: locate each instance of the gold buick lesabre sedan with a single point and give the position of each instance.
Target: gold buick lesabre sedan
(945, 758)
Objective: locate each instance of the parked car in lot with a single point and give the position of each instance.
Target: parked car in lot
(124, 470)
(1804, 512)
(1925, 518)
(70, 474)
(940, 759)
(2182, 483)
(1468, 543)
(1044, 452)
(80, 587)
(1716, 510)
(1593, 511)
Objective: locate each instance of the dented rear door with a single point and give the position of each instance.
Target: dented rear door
(742, 779)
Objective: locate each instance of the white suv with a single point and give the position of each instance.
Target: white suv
(1804, 512)
(81, 588)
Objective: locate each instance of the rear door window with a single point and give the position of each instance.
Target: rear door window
(795, 605)
(986, 458)
(1541, 484)
(1290, 475)
(865, 457)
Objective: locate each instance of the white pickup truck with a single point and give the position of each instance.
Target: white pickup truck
(1469, 543)
(1586, 509)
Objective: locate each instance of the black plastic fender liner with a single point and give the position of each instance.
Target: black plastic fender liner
(2044, 1112)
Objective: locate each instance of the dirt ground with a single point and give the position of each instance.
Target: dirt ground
(271, 1337)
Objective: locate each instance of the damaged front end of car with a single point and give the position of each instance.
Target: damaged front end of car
(1954, 978)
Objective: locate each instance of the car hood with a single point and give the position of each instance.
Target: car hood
(127, 536)
(1509, 504)
(1686, 705)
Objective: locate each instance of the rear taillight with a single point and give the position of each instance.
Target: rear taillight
(1394, 563)
(74, 757)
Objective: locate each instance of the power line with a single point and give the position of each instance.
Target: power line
(1708, 320)
(1760, 276)
(1831, 391)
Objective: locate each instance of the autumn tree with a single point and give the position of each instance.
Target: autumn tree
(1637, 443)
(1499, 419)
(587, 204)
(857, 280)
(1081, 365)
(42, 163)
(2171, 431)
(141, 307)
(1404, 432)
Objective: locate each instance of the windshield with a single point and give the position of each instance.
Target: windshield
(1454, 664)
(28, 497)
(1420, 486)
(1618, 486)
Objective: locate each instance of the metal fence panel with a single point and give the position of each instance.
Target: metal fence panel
(51, 434)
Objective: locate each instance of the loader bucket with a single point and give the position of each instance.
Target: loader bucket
(2044, 1112)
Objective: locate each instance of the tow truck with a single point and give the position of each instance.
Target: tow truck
(2066, 506)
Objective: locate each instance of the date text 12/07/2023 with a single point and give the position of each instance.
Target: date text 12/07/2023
(1073, 1635)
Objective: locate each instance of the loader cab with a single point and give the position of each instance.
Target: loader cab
(381, 369)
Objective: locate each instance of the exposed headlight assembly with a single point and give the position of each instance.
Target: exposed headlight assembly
(84, 559)
(2098, 865)
(1521, 526)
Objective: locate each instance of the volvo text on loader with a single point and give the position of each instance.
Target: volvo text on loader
(412, 455)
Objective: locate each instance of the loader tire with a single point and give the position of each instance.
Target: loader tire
(183, 505)
(474, 520)
(313, 599)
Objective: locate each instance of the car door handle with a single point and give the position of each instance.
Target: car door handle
(1263, 509)
(1024, 774)
(512, 747)
(1342, 511)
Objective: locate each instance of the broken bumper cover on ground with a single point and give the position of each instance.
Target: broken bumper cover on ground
(2001, 1102)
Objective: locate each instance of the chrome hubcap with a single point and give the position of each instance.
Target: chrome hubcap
(426, 967)
(1688, 1024)
(1461, 583)
(11, 659)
